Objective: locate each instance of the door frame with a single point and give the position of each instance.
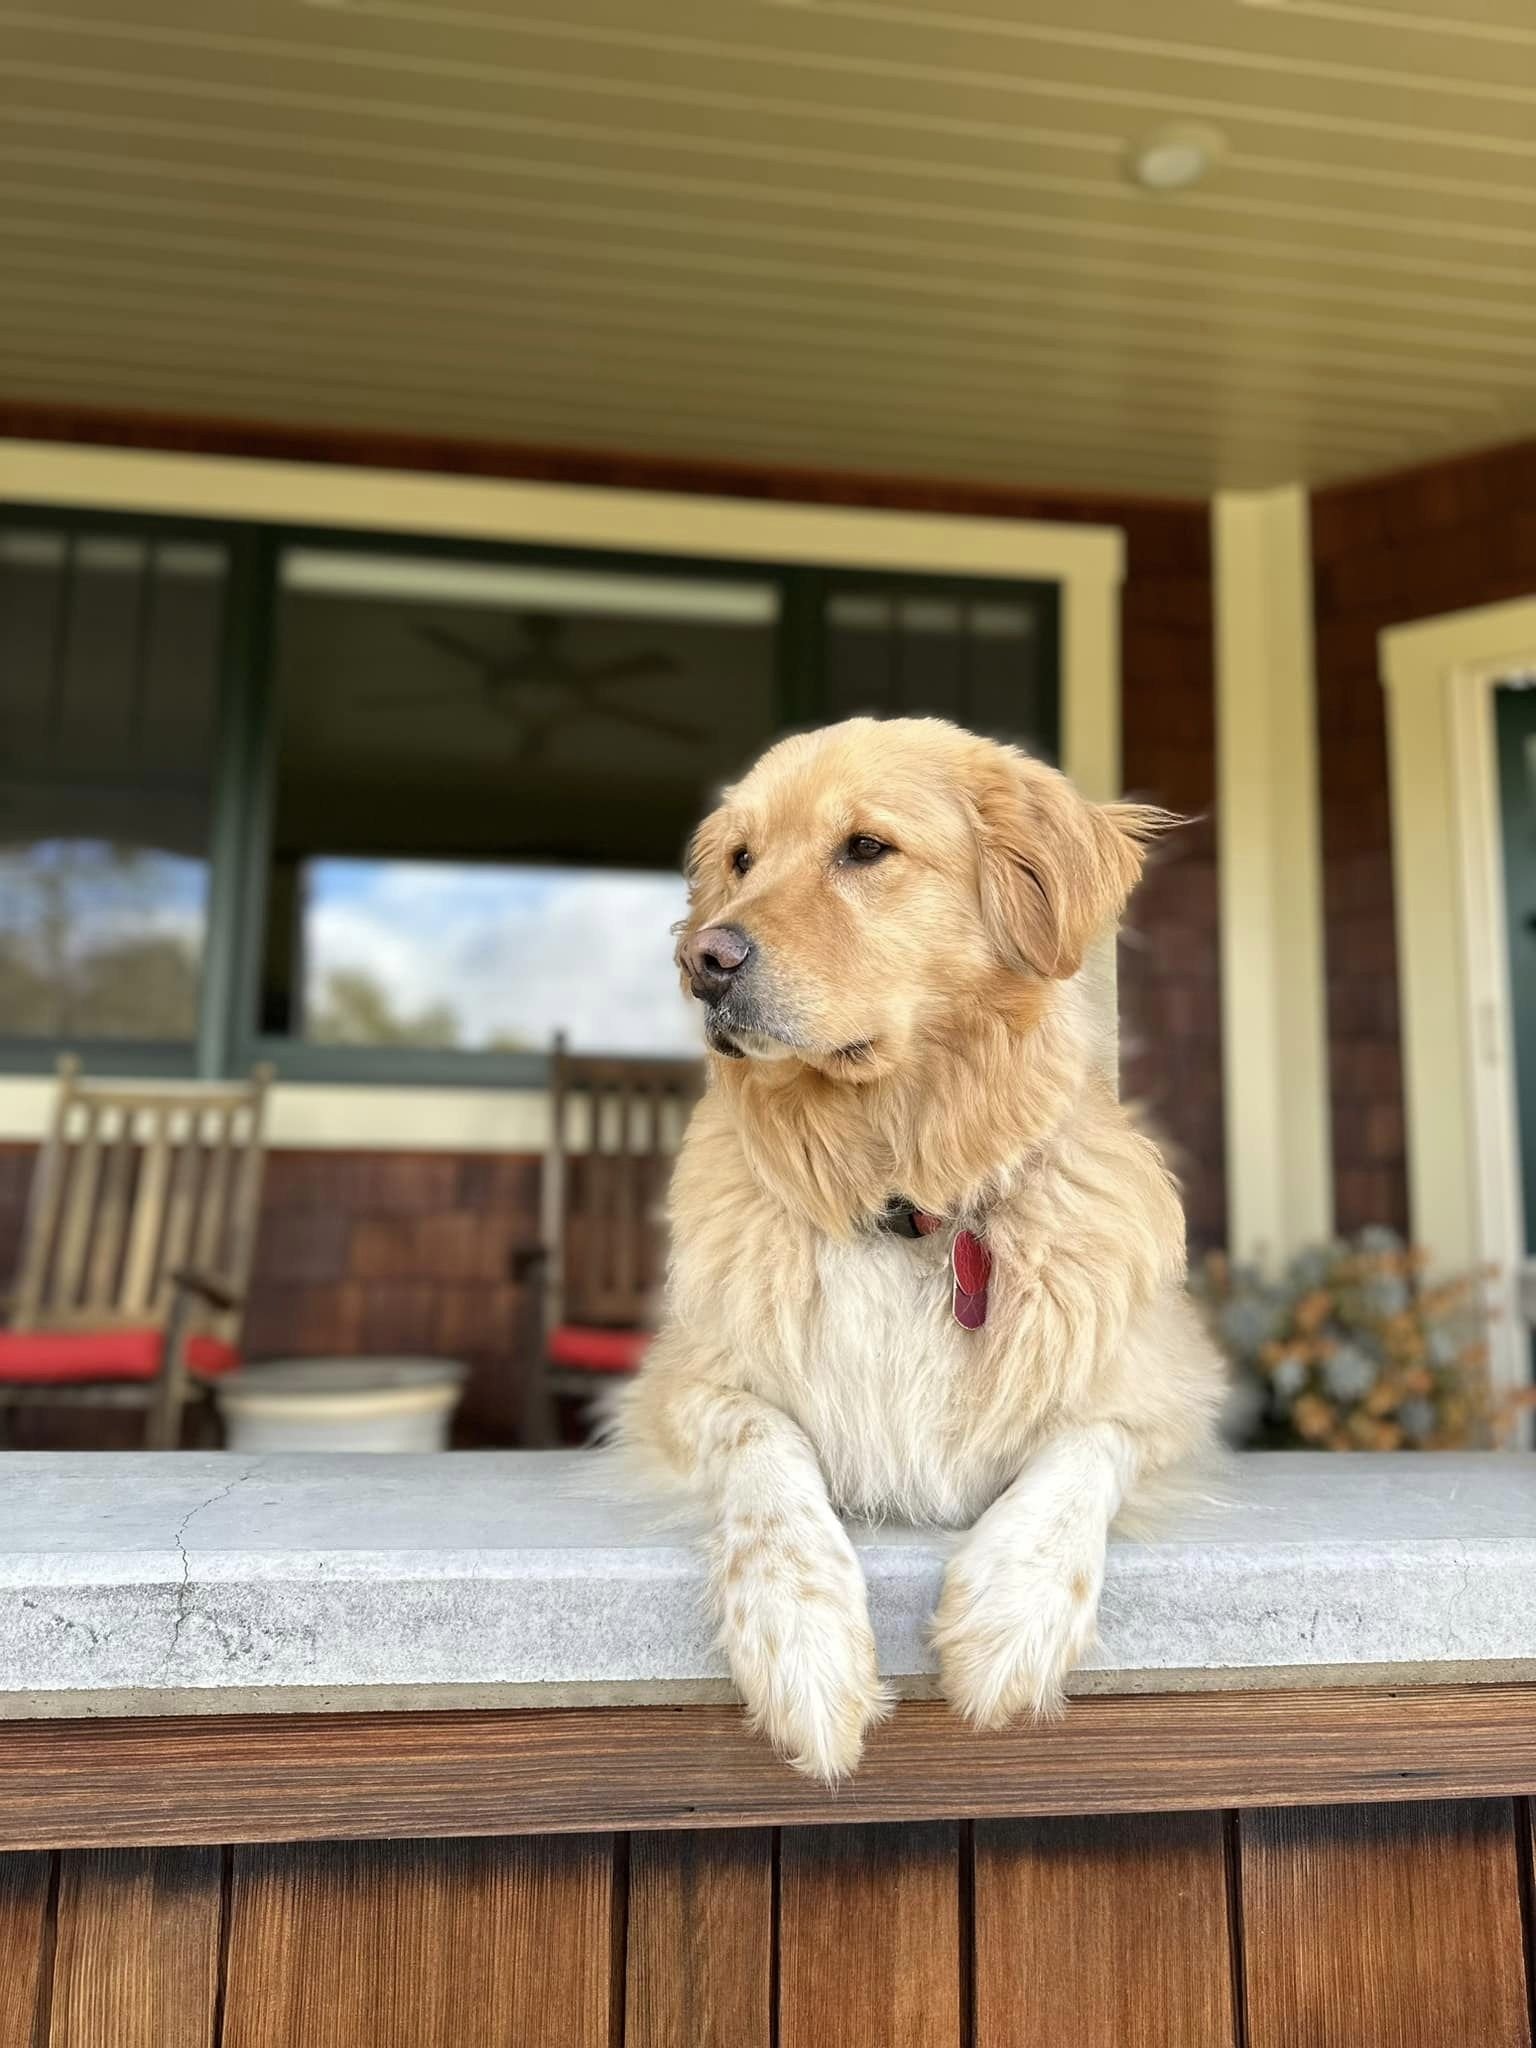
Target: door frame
(1448, 876)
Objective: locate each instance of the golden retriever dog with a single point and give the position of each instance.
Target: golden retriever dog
(924, 1263)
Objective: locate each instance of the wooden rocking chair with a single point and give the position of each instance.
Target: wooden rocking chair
(615, 1125)
(137, 1248)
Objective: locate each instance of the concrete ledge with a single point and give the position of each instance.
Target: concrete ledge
(135, 1584)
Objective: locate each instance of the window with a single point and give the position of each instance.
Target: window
(454, 781)
(915, 644)
(486, 775)
(110, 648)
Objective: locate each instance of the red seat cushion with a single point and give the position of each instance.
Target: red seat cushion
(589, 1350)
(65, 1357)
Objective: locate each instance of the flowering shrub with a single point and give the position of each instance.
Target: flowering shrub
(1351, 1351)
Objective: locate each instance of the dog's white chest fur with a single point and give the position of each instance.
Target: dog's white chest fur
(883, 1383)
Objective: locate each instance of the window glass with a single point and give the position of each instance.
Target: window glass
(486, 776)
(916, 645)
(109, 662)
(492, 958)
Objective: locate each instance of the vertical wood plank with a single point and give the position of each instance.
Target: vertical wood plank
(180, 1206)
(111, 1221)
(148, 1216)
(1104, 1932)
(137, 1957)
(698, 1962)
(79, 1209)
(552, 1197)
(239, 1248)
(24, 1881)
(212, 1233)
(627, 1220)
(45, 1202)
(869, 1936)
(1390, 1923)
(602, 1246)
(653, 1190)
(438, 1944)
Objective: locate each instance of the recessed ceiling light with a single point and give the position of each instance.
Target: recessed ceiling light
(1173, 159)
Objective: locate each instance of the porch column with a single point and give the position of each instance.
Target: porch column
(1274, 1025)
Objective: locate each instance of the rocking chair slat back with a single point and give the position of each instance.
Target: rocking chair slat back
(133, 1183)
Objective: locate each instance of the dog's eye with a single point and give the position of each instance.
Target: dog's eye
(741, 860)
(863, 848)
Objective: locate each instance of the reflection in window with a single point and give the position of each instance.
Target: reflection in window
(487, 772)
(98, 940)
(981, 659)
(109, 656)
(491, 959)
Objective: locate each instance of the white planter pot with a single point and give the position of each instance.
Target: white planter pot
(342, 1404)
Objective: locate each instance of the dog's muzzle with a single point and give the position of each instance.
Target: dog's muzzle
(713, 958)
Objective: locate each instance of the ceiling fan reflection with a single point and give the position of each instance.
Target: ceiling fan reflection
(537, 688)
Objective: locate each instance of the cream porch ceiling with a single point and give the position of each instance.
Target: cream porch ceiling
(871, 234)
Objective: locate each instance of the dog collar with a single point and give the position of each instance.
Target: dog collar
(970, 1262)
(904, 1219)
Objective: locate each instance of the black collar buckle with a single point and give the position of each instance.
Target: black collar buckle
(900, 1217)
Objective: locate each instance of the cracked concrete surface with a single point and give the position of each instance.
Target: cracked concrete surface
(184, 1591)
(194, 1582)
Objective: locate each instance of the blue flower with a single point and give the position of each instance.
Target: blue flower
(1248, 1321)
(1444, 1347)
(1377, 1239)
(1309, 1269)
(1418, 1418)
(1349, 1374)
(1385, 1296)
(1288, 1378)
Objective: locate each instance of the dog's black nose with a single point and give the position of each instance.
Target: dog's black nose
(713, 957)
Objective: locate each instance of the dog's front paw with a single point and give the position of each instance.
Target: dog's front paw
(795, 1627)
(1011, 1625)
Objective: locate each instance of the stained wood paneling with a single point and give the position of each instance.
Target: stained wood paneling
(24, 1887)
(136, 1963)
(1105, 1932)
(700, 1943)
(869, 1937)
(307, 1777)
(1395, 1925)
(444, 1944)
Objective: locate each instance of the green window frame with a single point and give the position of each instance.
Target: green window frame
(243, 770)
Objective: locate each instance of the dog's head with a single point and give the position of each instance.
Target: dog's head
(864, 885)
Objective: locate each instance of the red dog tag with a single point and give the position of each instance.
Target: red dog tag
(972, 1264)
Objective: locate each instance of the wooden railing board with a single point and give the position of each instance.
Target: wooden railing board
(308, 1777)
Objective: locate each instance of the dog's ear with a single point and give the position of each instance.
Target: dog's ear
(1056, 870)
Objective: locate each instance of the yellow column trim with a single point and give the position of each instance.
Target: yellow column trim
(1274, 1025)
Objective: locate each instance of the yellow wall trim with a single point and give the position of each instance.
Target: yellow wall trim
(324, 1117)
(1087, 561)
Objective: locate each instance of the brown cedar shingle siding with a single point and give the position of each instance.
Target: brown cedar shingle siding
(1435, 540)
(369, 1252)
(1170, 963)
(400, 1252)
